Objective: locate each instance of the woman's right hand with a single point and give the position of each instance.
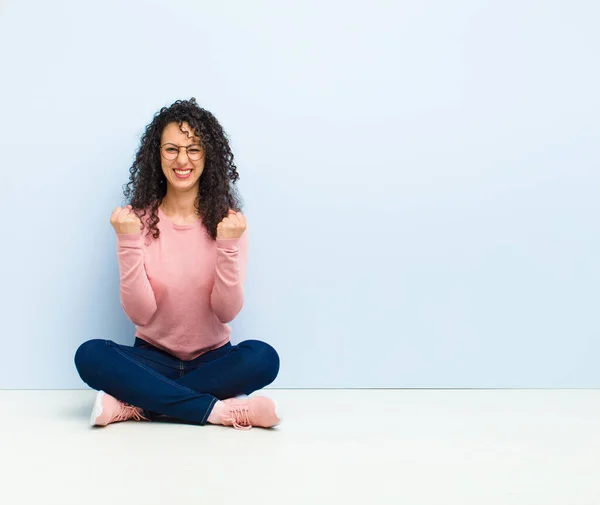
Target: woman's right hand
(125, 221)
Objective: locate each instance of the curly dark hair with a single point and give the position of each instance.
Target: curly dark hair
(147, 184)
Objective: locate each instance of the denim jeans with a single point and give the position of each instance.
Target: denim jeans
(159, 383)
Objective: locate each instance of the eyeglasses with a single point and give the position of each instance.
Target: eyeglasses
(171, 151)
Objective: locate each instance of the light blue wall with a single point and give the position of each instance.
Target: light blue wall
(421, 180)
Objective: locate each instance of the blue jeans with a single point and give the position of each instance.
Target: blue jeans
(159, 383)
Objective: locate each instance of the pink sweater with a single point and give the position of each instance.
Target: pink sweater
(183, 288)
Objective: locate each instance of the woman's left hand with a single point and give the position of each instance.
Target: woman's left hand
(232, 226)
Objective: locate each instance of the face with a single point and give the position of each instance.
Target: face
(188, 170)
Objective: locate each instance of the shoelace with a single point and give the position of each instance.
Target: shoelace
(127, 412)
(239, 416)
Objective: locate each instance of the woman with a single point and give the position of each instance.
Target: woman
(181, 282)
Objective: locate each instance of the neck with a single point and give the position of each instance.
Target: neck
(179, 204)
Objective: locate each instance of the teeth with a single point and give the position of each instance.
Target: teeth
(182, 172)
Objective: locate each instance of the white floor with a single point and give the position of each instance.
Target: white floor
(371, 447)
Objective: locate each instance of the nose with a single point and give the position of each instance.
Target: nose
(182, 156)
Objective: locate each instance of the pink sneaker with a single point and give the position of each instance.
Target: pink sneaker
(107, 409)
(242, 414)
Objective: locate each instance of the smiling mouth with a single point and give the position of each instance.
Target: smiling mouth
(182, 174)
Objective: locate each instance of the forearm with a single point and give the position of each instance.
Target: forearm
(137, 297)
(227, 296)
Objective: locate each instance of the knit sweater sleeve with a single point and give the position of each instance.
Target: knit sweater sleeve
(137, 298)
(227, 296)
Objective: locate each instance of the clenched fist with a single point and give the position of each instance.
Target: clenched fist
(125, 221)
(232, 226)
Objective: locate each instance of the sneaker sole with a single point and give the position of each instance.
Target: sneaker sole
(279, 416)
(97, 410)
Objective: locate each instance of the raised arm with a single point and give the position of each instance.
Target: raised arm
(227, 296)
(137, 298)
